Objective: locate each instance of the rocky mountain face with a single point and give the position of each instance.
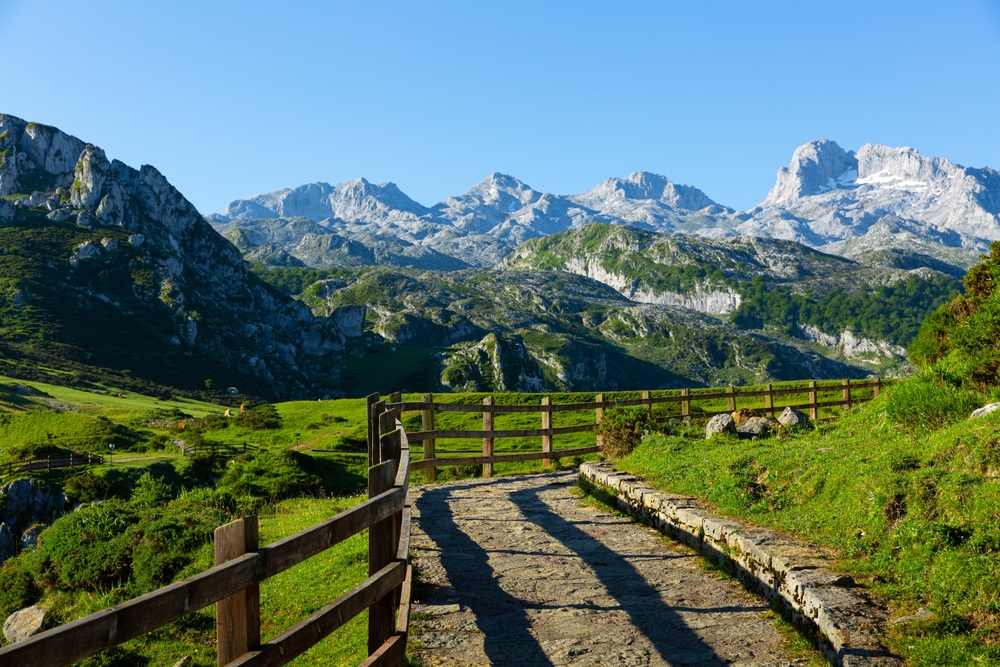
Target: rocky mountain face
(108, 266)
(834, 199)
(538, 330)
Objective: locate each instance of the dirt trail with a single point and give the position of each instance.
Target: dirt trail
(520, 572)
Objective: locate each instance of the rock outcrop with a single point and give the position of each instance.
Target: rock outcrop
(165, 271)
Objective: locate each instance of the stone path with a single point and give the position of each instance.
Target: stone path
(519, 572)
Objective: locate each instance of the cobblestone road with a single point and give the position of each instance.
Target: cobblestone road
(520, 572)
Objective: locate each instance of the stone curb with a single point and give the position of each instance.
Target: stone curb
(846, 619)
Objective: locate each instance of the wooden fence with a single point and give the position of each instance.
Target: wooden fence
(48, 463)
(233, 584)
(241, 565)
(686, 398)
(214, 448)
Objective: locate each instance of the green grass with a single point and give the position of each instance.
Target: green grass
(285, 599)
(903, 489)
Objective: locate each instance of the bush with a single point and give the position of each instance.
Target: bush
(622, 429)
(260, 418)
(271, 475)
(17, 588)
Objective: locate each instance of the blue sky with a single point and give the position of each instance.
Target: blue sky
(231, 99)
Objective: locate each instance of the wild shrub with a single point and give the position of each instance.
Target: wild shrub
(151, 492)
(622, 429)
(270, 474)
(260, 418)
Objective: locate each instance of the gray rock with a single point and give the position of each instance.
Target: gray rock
(791, 417)
(29, 538)
(23, 624)
(184, 662)
(136, 239)
(985, 410)
(719, 424)
(757, 427)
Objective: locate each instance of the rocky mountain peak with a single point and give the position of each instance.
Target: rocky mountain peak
(816, 167)
(646, 186)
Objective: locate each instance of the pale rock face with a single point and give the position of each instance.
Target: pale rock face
(703, 299)
(816, 167)
(852, 346)
(90, 177)
(350, 319)
(136, 239)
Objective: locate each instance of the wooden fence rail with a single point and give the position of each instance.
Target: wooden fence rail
(241, 564)
(429, 435)
(48, 463)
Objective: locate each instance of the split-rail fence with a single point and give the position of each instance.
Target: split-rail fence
(241, 564)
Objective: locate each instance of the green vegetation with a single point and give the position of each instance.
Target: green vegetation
(961, 339)
(892, 313)
(902, 488)
(294, 281)
(623, 428)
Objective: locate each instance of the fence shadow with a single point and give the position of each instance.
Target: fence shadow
(503, 618)
(653, 618)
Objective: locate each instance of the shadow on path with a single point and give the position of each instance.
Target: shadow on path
(654, 619)
(503, 618)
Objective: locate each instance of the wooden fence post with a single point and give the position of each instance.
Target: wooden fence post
(381, 551)
(877, 382)
(732, 399)
(427, 424)
(686, 405)
(847, 394)
(813, 410)
(598, 416)
(370, 402)
(488, 441)
(396, 397)
(769, 400)
(237, 616)
(546, 424)
(649, 405)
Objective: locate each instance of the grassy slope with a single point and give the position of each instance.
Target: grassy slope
(903, 489)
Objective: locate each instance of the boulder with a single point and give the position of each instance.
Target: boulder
(720, 424)
(985, 410)
(743, 415)
(23, 624)
(186, 661)
(758, 427)
(790, 417)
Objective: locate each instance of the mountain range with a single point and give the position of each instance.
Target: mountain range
(108, 274)
(841, 202)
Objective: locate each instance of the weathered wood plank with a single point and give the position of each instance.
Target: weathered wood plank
(237, 617)
(546, 431)
(504, 458)
(519, 433)
(487, 441)
(302, 636)
(427, 424)
(381, 549)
